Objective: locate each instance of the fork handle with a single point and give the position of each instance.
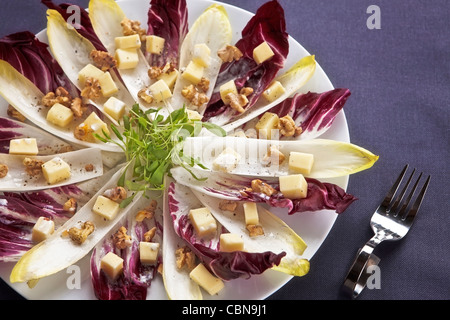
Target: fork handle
(357, 276)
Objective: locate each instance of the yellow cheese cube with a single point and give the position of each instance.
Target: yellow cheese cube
(266, 125)
(108, 85)
(274, 91)
(230, 242)
(206, 280)
(169, 78)
(89, 71)
(127, 58)
(203, 221)
(225, 89)
(94, 123)
(160, 91)
(26, 146)
(106, 208)
(115, 108)
(251, 213)
(262, 53)
(43, 228)
(202, 55)
(56, 170)
(112, 265)
(128, 42)
(193, 72)
(293, 186)
(193, 115)
(60, 115)
(155, 44)
(148, 252)
(227, 160)
(300, 162)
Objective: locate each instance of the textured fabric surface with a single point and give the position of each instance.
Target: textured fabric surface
(399, 77)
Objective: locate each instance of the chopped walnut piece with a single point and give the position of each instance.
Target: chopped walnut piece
(194, 96)
(70, 205)
(145, 95)
(154, 72)
(92, 89)
(246, 91)
(89, 167)
(274, 156)
(3, 170)
(237, 101)
(121, 239)
(298, 131)
(287, 127)
(255, 230)
(148, 236)
(228, 205)
(229, 53)
(52, 98)
(262, 187)
(147, 213)
(185, 257)
(83, 132)
(77, 107)
(13, 113)
(33, 167)
(79, 235)
(103, 60)
(203, 84)
(116, 194)
(130, 27)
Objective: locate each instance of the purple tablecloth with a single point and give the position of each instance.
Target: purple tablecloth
(399, 76)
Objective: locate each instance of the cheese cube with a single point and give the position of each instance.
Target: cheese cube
(94, 123)
(206, 280)
(169, 78)
(112, 265)
(26, 146)
(225, 89)
(155, 44)
(251, 213)
(108, 85)
(301, 162)
(106, 208)
(227, 160)
(262, 53)
(127, 58)
(203, 221)
(274, 91)
(293, 186)
(56, 170)
(193, 72)
(160, 91)
(230, 242)
(89, 71)
(43, 228)
(193, 115)
(148, 252)
(128, 42)
(266, 125)
(202, 54)
(115, 108)
(60, 115)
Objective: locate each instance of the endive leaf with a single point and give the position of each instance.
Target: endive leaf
(58, 251)
(212, 28)
(331, 158)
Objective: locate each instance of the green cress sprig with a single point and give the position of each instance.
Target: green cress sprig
(153, 145)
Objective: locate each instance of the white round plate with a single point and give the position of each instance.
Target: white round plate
(312, 227)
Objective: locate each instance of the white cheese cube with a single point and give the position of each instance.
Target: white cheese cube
(202, 55)
(293, 186)
(227, 160)
(262, 53)
(251, 213)
(89, 71)
(193, 72)
(108, 85)
(60, 115)
(267, 125)
(225, 89)
(206, 280)
(230, 242)
(203, 221)
(106, 208)
(155, 44)
(112, 265)
(26, 146)
(56, 170)
(148, 252)
(43, 228)
(115, 108)
(300, 162)
(128, 42)
(169, 78)
(194, 115)
(127, 58)
(274, 91)
(97, 125)
(160, 91)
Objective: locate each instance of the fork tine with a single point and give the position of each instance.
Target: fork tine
(387, 200)
(415, 208)
(399, 198)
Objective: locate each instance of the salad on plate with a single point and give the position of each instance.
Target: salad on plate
(191, 147)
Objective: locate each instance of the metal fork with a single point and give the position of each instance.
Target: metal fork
(391, 221)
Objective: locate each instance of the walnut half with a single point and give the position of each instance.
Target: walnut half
(79, 235)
